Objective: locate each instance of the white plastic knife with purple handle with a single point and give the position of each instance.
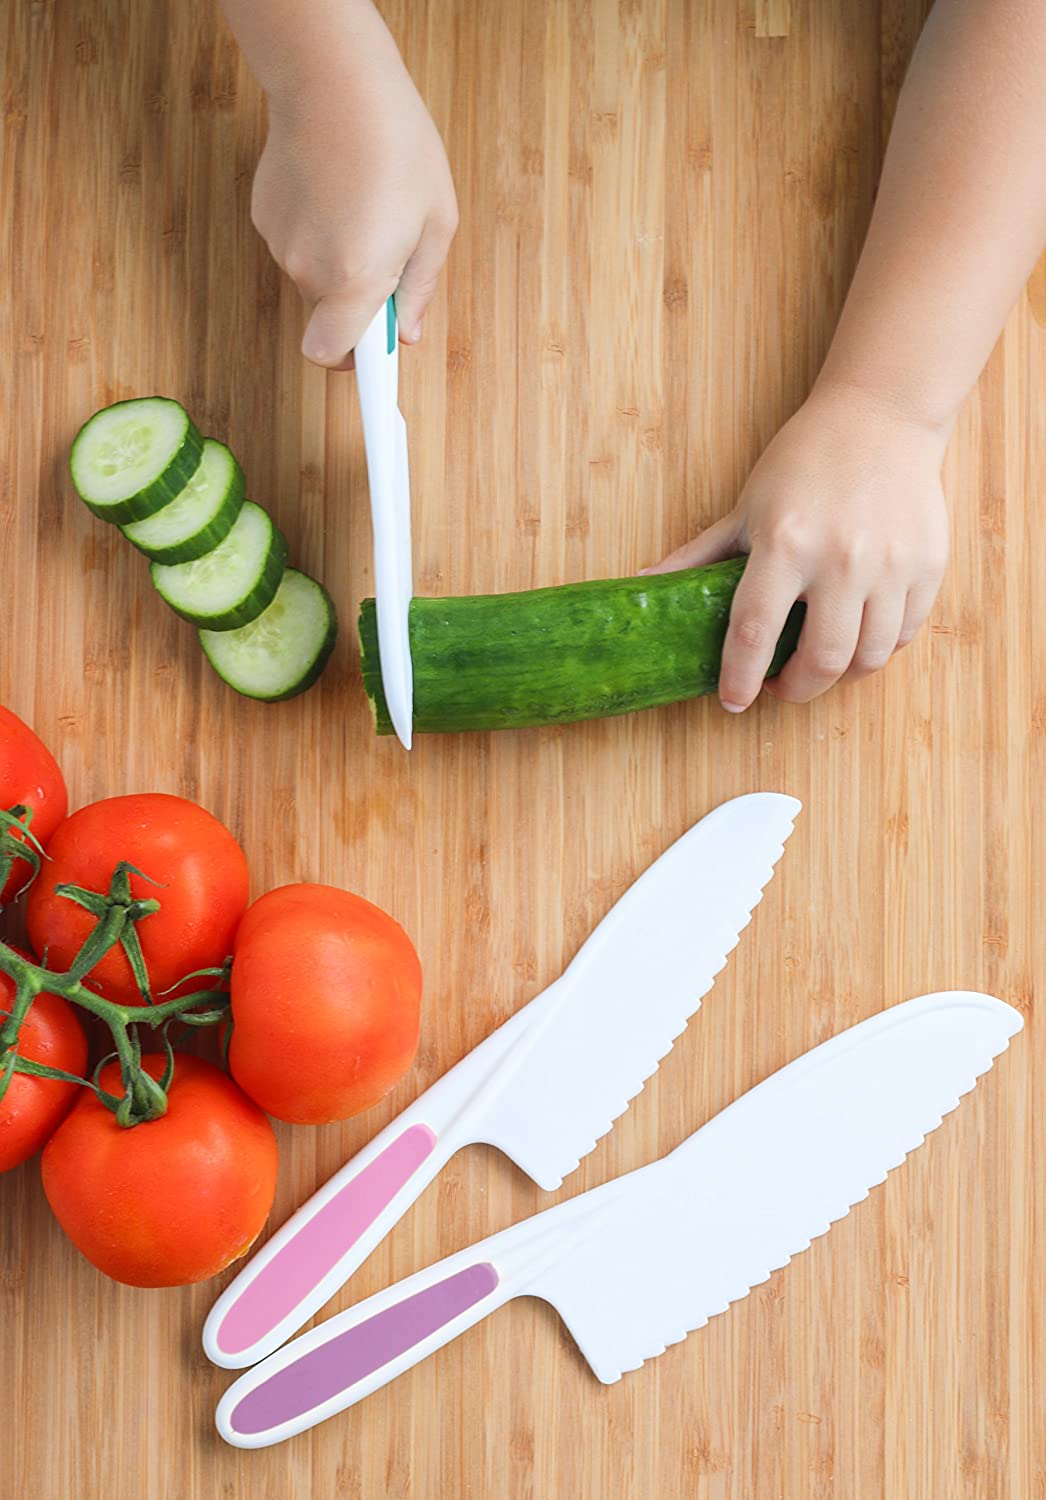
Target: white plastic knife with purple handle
(637, 1264)
(584, 1046)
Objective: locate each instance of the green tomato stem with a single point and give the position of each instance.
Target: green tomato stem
(144, 1097)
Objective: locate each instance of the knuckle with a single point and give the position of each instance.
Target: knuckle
(295, 264)
(302, 265)
(445, 221)
(856, 554)
(895, 556)
(423, 287)
(826, 663)
(789, 536)
(751, 632)
(872, 658)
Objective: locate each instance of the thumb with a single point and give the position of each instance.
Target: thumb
(711, 545)
(337, 324)
(421, 275)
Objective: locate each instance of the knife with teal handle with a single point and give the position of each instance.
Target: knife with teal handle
(385, 440)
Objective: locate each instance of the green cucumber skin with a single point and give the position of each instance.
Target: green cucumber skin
(259, 598)
(310, 677)
(209, 536)
(154, 496)
(560, 655)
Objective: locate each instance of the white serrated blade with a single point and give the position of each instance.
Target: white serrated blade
(544, 1087)
(595, 1037)
(639, 1263)
(684, 1238)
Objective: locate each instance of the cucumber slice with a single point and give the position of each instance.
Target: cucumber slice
(201, 516)
(230, 585)
(284, 650)
(130, 460)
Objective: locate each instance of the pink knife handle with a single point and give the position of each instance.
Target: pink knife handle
(354, 1353)
(317, 1250)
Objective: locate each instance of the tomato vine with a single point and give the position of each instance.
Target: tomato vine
(117, 912)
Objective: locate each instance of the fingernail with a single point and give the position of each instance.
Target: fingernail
(733, 708)
(415, 334)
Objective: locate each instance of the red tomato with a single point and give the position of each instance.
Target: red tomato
(202, 896)
(326, 993)
(29, 777)
(33, 1108)
(172, 1201)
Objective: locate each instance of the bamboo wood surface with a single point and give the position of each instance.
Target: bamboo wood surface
(661, 206)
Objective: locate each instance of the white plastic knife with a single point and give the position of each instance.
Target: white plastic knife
(385, 440)
(545, 1086)
(639, 1263)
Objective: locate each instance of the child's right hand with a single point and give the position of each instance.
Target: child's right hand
(354, 198)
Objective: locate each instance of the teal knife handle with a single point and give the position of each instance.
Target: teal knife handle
(390, 322)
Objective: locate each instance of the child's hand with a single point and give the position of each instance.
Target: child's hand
(844, 510)
(354, 198)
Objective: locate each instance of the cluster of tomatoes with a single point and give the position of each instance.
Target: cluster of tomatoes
(321, 1020)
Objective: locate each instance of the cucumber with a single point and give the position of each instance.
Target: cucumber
(130, 460)
(234, 582)
(558, 655)
(197, 519)
(284, 650)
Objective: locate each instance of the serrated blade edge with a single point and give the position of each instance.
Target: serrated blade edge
(743, 1196)
(633, 987)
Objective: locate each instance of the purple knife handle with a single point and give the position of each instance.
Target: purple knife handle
(316, 1251)
(353, 1354)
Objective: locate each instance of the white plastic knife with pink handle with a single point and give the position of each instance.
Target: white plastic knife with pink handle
(584, 1047)
(636, 1265)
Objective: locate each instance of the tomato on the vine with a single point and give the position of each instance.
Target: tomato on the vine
(33, 1108)
(326, 995)
(172, 1201)
(30, 778)
(201, 876)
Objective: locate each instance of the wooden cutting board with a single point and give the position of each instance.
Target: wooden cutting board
(661, 206)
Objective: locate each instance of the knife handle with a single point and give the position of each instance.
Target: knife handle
(338, 1363)
(320, 1246)
(334, 1366)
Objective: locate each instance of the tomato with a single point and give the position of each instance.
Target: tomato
(29, 777)
(172, 1201)
(33, 1108)
(202, 895)
(326, 994)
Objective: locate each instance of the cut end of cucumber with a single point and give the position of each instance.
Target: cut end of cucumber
(370, 668)
(283, 651)
(131, 459)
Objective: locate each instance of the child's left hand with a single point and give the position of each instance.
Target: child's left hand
(844, 510)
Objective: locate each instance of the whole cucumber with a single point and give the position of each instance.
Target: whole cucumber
(559, 655)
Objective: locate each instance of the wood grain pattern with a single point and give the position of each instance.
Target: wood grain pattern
(661, 206)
